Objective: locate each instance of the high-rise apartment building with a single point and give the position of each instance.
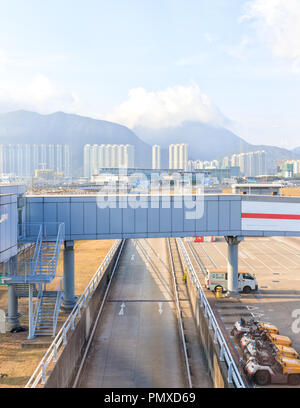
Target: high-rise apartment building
(66, 163)
(178, 156)
(51, 156)
(59, 158)
(290, 168)
(86, 160)
(23, 159)
(251, 164)
(155, 157)
(226, 162)
(108, 156)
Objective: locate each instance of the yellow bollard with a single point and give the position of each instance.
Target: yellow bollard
(218, 292)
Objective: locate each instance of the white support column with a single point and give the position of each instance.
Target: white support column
(30, 313)
(12, 315)
(12, 306)
(232, 266)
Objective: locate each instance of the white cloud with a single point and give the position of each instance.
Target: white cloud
(19, 62)
(166, 108)
(22, 86)
(278, 23)
(239, 51)
(209, 38)
(40, 95)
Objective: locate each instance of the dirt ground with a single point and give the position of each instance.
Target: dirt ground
(290, 191)
(18, 363)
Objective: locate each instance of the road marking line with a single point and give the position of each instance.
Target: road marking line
(121, 313)
(160, 307)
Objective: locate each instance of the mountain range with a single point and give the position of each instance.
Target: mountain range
(205, 142)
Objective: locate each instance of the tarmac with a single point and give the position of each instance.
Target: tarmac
(275, 262)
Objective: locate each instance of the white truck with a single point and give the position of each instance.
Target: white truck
(218, 278)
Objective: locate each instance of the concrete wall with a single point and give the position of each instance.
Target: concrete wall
(64, 371)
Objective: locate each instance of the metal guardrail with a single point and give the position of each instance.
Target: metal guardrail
(40, 374)
(37, 306)
(35, 269)
(179, 314)
(234, 375)
(50, 266)
(57, 305)
(38, 246)
(28, 232)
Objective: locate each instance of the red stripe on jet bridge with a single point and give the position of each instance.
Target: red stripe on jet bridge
(272, 216)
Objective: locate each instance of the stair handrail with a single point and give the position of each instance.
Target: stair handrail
(37, 249)
(59, 240)
(57, 306)
(52, 263)
(37, 307)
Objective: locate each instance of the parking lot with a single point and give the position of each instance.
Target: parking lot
(276, 264)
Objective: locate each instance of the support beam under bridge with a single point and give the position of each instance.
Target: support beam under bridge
(69, 298)
(232, 265)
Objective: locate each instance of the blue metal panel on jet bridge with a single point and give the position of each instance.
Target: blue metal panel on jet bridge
(91, 217)
(96, 217)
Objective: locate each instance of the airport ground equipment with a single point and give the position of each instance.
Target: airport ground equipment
(267, 355)
(264, 350)
(280, 370)
(242, 327)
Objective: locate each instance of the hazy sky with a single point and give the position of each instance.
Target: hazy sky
(234, 63)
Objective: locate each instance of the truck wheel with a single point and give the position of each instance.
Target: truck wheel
(247, 289)
(262, 377)
(294, 379)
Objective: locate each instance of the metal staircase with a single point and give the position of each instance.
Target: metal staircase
(47, 311)
(46, 261)
(40, 269)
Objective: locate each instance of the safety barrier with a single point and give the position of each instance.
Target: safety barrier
(234, 375)
(51, 356)
(37, 269)
(57, 305)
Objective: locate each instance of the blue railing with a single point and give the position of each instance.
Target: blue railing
(29, 232)
(36, 269)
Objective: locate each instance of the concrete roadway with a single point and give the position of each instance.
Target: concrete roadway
(136, 343)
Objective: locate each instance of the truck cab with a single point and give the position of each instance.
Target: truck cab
(218, 278)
